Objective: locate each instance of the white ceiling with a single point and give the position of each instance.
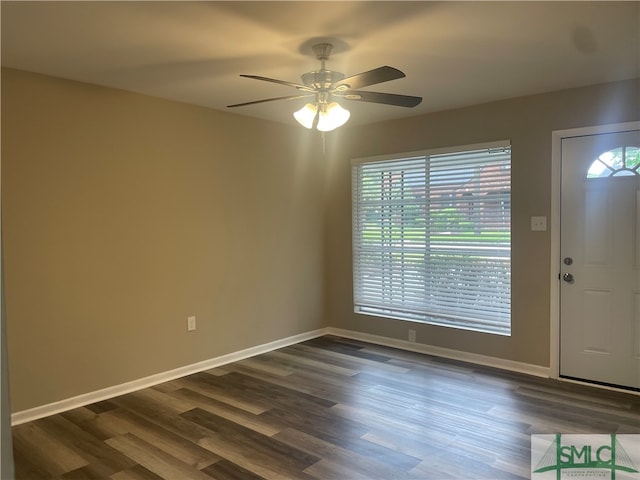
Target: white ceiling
(453, 53)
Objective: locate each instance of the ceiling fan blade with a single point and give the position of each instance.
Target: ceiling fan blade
(371, 77)
(379, 97)
(299, 86)
(289, 97)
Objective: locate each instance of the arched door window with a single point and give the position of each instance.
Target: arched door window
(619, 162)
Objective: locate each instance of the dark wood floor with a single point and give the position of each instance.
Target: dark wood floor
(328, 408)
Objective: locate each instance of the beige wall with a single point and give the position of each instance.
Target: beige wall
(123, 214)
(528, 123)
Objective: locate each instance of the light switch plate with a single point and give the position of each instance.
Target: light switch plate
(538, 224)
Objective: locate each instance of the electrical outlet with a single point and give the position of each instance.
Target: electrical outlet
(412, 336)
(191, 324)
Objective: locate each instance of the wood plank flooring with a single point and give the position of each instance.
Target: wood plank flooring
(329, 408)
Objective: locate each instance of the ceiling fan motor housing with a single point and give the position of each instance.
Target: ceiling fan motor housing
(321, 79)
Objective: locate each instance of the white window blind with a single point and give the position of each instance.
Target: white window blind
(432, 238)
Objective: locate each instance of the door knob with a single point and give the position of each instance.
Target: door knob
(567, 277)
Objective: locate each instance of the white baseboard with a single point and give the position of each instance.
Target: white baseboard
(128, 387)
(501, 363)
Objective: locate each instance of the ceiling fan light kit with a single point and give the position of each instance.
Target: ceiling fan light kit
(325, 113)
(325, 117)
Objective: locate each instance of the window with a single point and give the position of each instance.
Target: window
(432, 237)
(619, 162)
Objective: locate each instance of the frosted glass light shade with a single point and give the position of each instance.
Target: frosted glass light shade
(333, 117)
(306, 115)
(330, 116)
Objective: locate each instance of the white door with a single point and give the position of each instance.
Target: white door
(600, 258)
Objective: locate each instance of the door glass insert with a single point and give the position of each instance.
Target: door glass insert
(618, 162)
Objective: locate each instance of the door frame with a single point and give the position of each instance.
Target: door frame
(554, 222)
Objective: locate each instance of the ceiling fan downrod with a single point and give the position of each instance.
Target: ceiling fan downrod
(322, 79)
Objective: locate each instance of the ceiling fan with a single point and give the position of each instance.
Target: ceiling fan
(327, 86)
